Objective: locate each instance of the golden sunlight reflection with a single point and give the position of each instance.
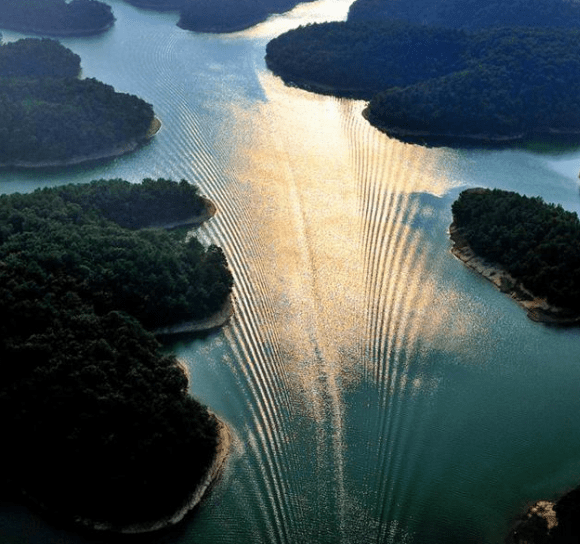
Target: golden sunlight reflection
(334, 204)
(309, 12)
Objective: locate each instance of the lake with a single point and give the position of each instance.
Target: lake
(378, 390)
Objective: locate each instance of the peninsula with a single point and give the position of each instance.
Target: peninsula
(527, 248)
(84, 277)
(53, 118)
(495, 84)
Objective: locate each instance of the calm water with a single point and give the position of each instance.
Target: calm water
(379, 391)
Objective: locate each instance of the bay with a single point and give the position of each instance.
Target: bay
(378, 390)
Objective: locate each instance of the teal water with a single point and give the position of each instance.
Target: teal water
(379, 391)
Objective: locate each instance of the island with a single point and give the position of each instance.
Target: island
(53, 118)
(529, 249)
(56, 17)
(219, 16)
(496, 84)
(99, 426)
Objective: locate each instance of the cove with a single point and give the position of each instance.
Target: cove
(378, 391)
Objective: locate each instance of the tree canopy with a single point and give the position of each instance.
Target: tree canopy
(470, 14)
(491, 84)
(56, 17)
(49, 115)
(98, 420)
(536, 242)
(220, 15)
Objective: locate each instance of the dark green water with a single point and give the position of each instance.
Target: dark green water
(378, 390)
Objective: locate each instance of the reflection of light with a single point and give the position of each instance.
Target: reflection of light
(331, 203)
(306, 13)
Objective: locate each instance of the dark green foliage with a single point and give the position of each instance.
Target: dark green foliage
(49, 115)
(363, 59)
(537, 243)
(58, 119)
(470, 14)
(511, 82)
(97, 419)
(220, 15)
(147, 273)
(104, 427)
(32, 57)
(515, 82)
(136, 205)
(56, 17)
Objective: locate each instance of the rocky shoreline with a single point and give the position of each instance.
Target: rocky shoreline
(215, 321)
(223, 447)
(534, 525)
(537, 308)
(224, 444)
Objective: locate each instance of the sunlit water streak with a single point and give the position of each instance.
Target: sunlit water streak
(378, 391)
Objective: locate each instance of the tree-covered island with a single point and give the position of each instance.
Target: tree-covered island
(56, 17)
(99, 427)
(220, 16)
(50, 117)
(526, 247)
(492, 84)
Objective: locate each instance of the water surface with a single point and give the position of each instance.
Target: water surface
(379, 391)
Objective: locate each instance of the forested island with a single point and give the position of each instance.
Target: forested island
(220, 16)
(470, 14)
(492, 84)
(56, 17)
(528, 248)
(50, 117)
(99, 427)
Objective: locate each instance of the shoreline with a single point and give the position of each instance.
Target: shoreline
(526, 529)
(193, 221)
(214, 321)
(119, 151)
(397, 132)
(405, 133)
(537, 308)
(223, 446)
(62, 34)
(318, 88)
(225, 439)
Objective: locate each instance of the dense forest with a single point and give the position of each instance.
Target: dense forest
(135, 205)
(49, 115)
(100, 425)
(536, 242)
(470, 14)
(56, 17)
(220, 15)
(362, 59)
(497, 83)
(35, 58)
